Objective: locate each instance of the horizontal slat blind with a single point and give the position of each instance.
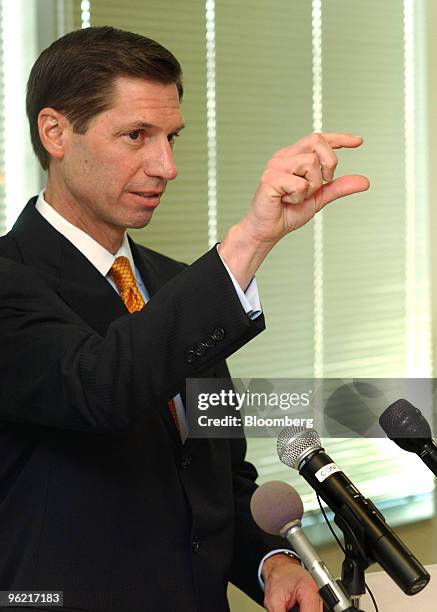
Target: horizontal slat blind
(264, 102)
(364, 246)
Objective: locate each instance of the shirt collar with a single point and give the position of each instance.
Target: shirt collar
(97, 255)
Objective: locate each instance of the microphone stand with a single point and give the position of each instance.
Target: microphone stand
(352, 574)
(355, 563)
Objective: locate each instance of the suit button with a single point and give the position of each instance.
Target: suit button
(195, 545)
(219, 333)
(210, 341)
(186, 461)
(200, 349)
(190, 357)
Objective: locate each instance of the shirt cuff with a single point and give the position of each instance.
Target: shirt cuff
(250, 298)
(286, 551)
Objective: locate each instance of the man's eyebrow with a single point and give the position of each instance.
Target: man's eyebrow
(142, 125)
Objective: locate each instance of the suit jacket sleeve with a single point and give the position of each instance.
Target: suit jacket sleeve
(57, 371)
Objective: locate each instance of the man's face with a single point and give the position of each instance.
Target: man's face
(115, 173)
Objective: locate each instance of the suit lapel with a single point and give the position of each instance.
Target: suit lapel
(150, 272)
(69, 272)
(88, 292)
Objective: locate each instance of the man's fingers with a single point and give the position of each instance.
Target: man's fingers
(275, 606)
(346, 140)
(322, 157)
(307, 166)
(328, 160)
(341, 187)
(291, 188)
(308, 598)
(280, 603)
(335, 140)
(310, 602)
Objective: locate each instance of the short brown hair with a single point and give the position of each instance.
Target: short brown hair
(76, 75)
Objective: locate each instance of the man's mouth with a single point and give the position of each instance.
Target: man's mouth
(149, 194)
(149, 198)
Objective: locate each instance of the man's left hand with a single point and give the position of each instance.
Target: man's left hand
(286, 584)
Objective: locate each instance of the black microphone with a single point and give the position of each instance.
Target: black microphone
(407, 427)
(277, 509)
(301, 449)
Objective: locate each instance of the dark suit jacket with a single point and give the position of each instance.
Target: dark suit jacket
(98, 497)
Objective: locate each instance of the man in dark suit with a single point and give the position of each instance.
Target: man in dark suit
(103, 495)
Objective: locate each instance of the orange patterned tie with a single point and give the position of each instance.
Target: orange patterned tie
(122, 275)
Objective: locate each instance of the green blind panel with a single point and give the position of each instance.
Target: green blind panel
(364, 240)
(179, 227)
(75, 12)
(264, 102)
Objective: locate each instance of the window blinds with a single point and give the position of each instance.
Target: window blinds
(364, 287)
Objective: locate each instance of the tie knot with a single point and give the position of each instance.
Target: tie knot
(121, 273)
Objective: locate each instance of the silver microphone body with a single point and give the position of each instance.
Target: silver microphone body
(331, 589)
(277, 509)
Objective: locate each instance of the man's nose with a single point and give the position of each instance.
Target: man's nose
(161, 162)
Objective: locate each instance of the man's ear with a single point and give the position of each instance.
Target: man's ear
(53, 130)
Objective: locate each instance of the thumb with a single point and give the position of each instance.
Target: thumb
(339, 188)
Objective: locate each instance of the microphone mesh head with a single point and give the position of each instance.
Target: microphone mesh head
(406, 426)
(274, 504)
(403, 420)
(294, 443)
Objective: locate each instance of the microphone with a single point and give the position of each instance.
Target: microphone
(407, 427)
(301, 449)
(277, 509)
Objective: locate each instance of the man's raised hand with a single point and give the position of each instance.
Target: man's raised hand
(297, 183)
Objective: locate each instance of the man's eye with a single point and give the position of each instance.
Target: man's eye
(134, 134)
(172, 137)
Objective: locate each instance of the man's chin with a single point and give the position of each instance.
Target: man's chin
(140, 221)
